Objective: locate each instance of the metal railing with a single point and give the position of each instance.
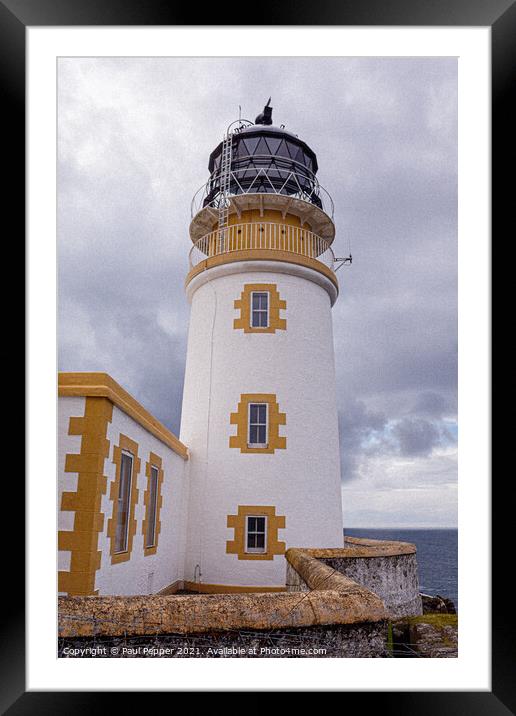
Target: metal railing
(266, 180)
(266, 236)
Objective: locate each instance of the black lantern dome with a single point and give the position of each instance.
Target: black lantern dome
(266, 159)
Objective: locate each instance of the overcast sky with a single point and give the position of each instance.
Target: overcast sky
(134, 140)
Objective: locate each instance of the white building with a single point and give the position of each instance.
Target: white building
(256, 469)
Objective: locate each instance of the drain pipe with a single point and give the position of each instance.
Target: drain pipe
(197, 567)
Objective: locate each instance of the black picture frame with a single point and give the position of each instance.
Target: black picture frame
(500, 16)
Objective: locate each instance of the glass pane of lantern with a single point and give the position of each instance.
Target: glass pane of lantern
(282, 150)
(262, 147)
(251, 143)
(273, 143)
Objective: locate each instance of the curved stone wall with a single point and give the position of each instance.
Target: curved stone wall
(389, 569)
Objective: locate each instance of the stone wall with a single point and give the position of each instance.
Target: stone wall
(367, 640)
(337, 602)
(388, 569)
(336, 616)
(394, 579)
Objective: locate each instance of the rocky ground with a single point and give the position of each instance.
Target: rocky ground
(428, 636)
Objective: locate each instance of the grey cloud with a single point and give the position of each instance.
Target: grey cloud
(366, 434)
(433, 404)
(357, 425)
(416, 436)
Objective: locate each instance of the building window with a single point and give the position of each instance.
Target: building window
(256, 534)
(258, 420)
(259, 309)
(257, 437)
(123, 493)
(123, 502)
(260, 306)
(153, 502)
(150, 537)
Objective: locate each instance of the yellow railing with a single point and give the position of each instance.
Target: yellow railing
(262, 235)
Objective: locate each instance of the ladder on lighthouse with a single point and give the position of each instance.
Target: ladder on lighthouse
(225, 179)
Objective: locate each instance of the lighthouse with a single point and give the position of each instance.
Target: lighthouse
(259, 411)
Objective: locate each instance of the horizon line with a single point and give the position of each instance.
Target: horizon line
(412, 527)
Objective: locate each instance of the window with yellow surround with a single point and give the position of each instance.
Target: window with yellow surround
(258, 419)
(124, 497)
(153, 501)
(260, 305)
(255, 532)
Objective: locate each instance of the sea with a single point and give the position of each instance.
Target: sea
(436, 556)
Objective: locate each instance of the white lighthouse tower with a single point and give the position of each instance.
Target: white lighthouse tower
(259, 407)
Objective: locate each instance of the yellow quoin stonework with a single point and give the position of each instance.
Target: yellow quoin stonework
(154, 461)
(275, 305)
(82, 541)
(102, 385)
(124, 443)
(275, 419)
(104, 401)
(274, 523)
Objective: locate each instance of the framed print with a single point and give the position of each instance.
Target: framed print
(311, 328)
